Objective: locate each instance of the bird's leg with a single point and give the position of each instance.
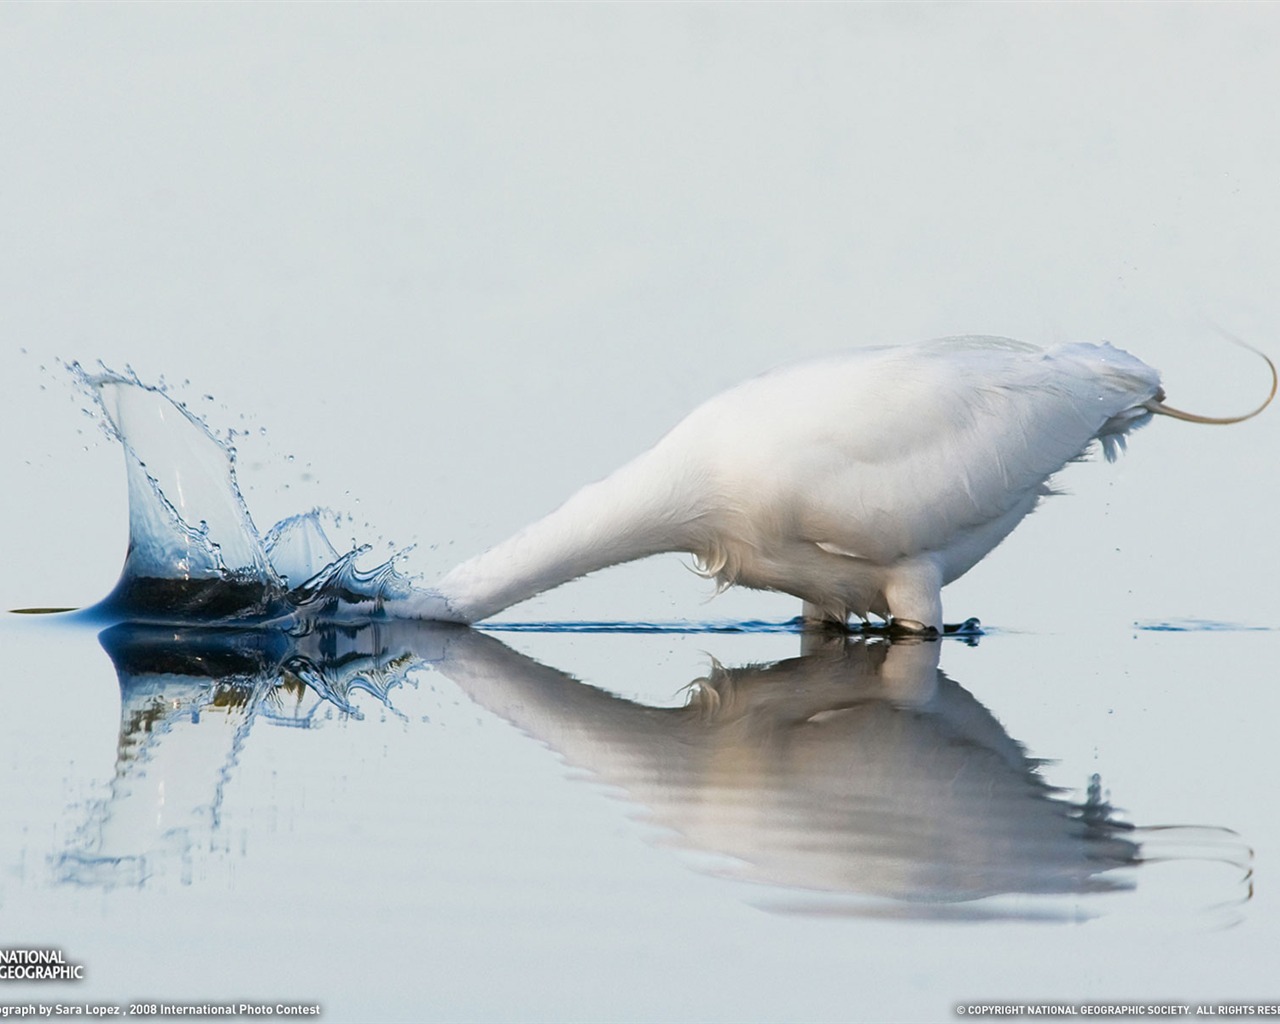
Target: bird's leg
(817, 617)
(913, 592)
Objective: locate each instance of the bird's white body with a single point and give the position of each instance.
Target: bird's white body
(861, 483)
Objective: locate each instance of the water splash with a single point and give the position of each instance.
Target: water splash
(299, 548)
(194, 551)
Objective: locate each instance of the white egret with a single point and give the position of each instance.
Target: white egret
(861, 483)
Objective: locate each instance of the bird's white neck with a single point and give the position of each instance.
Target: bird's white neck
(642, 509)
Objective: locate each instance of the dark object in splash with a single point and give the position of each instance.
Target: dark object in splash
(229, 597)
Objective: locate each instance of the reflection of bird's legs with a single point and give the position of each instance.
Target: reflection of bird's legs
(822, 631)
(909, 673)
(902, 670)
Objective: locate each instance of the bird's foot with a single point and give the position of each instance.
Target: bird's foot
(969, 630)
(911, 628)
(891, 629)
(900, 628)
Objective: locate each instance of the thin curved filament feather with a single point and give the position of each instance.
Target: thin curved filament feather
(1156, 405)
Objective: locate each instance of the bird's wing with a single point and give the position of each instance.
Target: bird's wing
(883, 452)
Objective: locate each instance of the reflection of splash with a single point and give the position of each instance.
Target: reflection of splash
(189, 699)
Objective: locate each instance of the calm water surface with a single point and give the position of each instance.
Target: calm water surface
(402, 821)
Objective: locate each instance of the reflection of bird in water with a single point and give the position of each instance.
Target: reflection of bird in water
(861, 484)
(861, 770)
